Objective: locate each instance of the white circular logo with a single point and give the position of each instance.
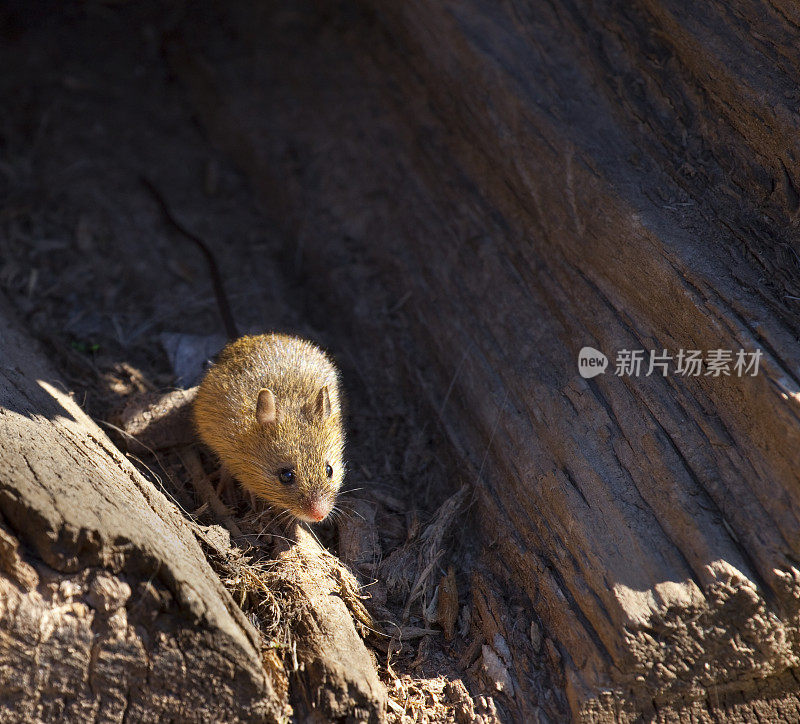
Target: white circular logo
(591, 362)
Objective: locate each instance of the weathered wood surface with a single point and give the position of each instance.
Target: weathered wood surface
(338, 678)
(654, 193)
(532, 179)
(110, 611)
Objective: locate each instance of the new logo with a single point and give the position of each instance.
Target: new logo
(591, 362)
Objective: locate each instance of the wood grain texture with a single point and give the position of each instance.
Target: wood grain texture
(532, 179)
(109, 609)
(338, 679)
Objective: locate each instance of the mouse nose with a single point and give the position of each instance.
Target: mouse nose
(318, 509)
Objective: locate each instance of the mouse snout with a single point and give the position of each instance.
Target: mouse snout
(317, 508)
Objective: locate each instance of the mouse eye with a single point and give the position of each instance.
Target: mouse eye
(328, 470)
(286, 476)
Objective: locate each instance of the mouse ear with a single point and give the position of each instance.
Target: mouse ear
(265, 407)
(322, 404)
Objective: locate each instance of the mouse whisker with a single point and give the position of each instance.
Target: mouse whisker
(342, 514)
(311, 530)
(283, 515)
(352, 511)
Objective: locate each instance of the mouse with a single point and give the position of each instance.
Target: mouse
(270, 408)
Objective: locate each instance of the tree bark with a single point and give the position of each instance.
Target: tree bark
(338, 680)
(532, 180)
(110, 611)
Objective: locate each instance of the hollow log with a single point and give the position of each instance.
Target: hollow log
(528, 180)
(108, 609)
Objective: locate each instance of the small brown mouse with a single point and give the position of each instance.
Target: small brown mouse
(270, 409)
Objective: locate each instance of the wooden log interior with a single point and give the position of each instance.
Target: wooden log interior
(530, 179)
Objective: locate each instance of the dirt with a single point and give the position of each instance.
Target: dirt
(96, 275)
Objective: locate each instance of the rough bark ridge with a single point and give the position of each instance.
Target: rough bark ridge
(338, 678)
(109, 609)
(582, 175)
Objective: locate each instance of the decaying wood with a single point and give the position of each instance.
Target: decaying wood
(157, 420)
(359, 544)
(447, 603)
(543, 178)
(200, 481)
(337, 677)
(109, 608)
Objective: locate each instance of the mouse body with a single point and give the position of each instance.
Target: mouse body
(270, 409)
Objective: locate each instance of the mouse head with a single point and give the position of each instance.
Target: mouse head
(300, 448)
